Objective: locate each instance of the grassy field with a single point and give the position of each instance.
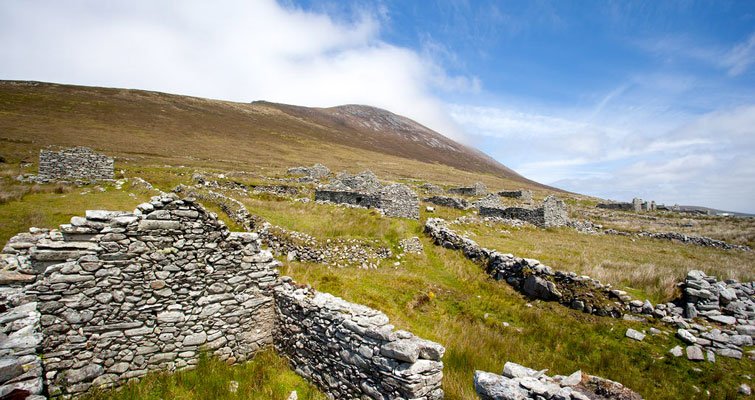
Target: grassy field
(267, 376)
(647, 267)
(446, 298)
(439, 295)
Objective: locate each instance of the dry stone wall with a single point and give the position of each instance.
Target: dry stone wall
(126, 293)
(551, 213)
(523, 195)
(364, 190)
(533, 278)
(74, 163)
(478, 189)
(453, 202)
(130, 293)
(351, 351)
(295, 245)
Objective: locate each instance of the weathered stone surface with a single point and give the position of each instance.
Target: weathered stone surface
(491, 386)
(74, 163)
(541, 288)
(695, 353)
(636, 335)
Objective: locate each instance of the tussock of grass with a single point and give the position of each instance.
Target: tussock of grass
(266, 376)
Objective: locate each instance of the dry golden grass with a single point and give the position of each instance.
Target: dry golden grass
(645, 266)
(735, 230)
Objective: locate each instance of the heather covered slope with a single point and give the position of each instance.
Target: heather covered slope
(169, 128)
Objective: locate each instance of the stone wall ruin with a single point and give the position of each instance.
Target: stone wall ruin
(126, 293)
(478, 189)
(365, 191)
(521, 194)
(552, 213)
(74, 163)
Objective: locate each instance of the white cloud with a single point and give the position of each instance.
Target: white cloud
(741, 57)
(235, 50)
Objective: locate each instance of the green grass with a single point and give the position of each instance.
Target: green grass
(266, 376)
(444, 297)
(327, 221)
(50, 208)
(438, 295)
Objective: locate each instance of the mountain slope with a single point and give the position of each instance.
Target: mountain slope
(190, 130)
(377, 129)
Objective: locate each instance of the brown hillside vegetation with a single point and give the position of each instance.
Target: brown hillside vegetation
(195, 131)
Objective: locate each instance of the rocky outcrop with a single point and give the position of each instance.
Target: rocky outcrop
(522, 383)
(350, 351)
(552, 213)
(73, 164)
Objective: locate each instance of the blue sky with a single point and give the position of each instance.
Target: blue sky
(613, 99)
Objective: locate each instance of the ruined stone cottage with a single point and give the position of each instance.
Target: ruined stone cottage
(113, 296)
(365, 190)
(551, 213)
(74, 163)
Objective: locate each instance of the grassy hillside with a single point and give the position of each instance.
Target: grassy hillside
(159, 128)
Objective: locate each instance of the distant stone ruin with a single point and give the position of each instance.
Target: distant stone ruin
(122, 294)
(453, 202)
(552, 213)
(478, 189)
(523, 195)
(74, 163)
(364, 190)
(636, 205)
(315, 172)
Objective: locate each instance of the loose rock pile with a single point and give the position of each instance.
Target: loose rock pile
(730, 304)
(412, 245)
(551, 213)
(521, 383)
(351, 351)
